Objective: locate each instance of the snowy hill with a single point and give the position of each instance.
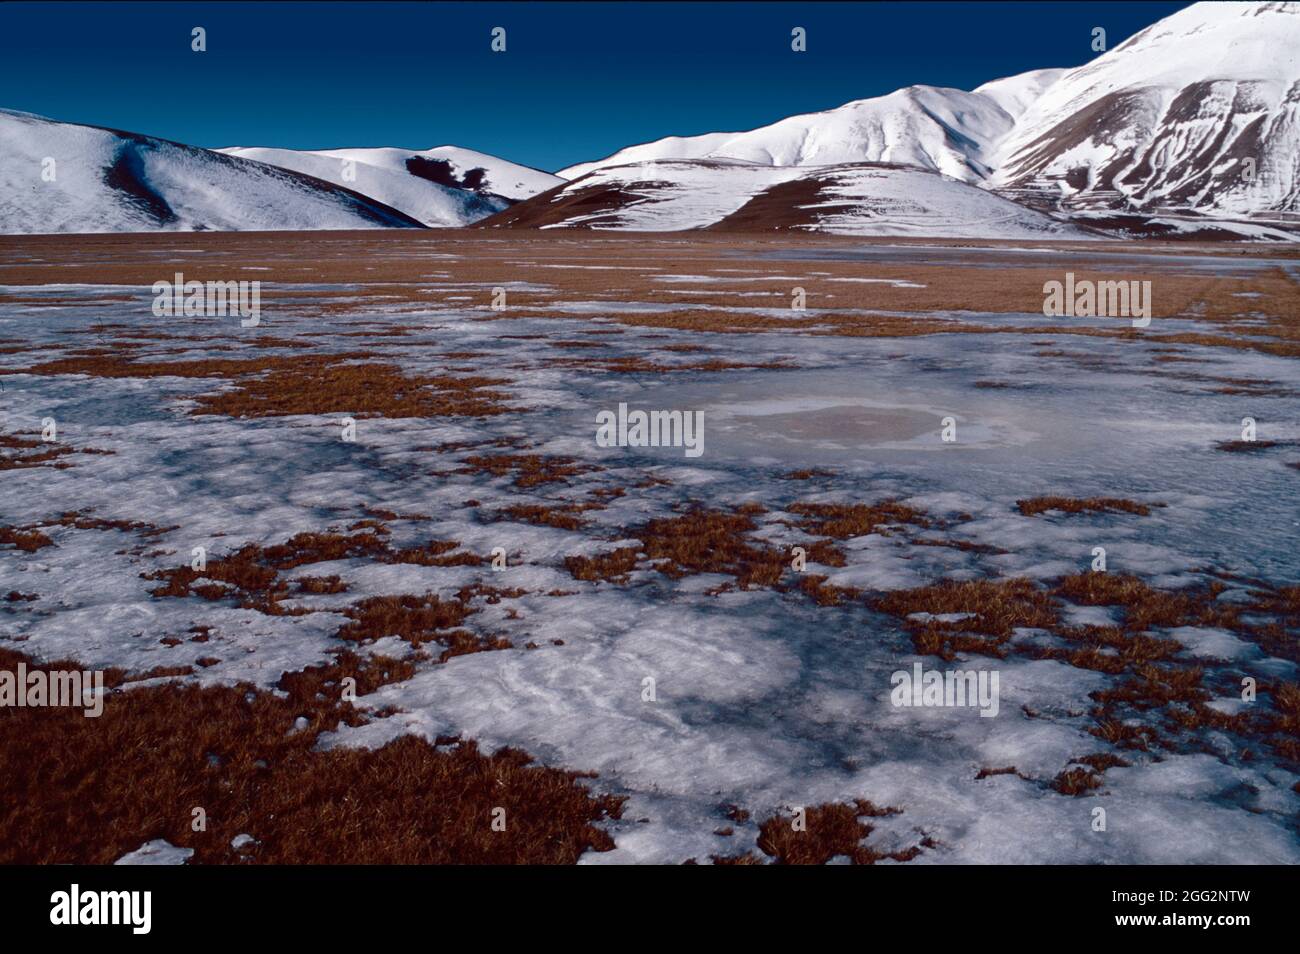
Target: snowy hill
(947, 130)
(1194, 121)
(446, 186)
(1165, 121)
(848, 199)
(105, 180)
(1169, 118)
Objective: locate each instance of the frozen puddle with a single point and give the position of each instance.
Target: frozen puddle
(839, 428)
(825, 417)
(836, 426)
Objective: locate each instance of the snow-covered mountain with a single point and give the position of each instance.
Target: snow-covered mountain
(671, 195)
(1190, 127)
(446, 186)
(65, 177)
(1200, 111)
(947, 130)
(1170, 118)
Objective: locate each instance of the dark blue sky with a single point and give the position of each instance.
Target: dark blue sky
(578, 80)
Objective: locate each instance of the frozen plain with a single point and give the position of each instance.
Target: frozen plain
(765, 698)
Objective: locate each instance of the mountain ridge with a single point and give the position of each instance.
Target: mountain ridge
(1165, 121)
(1189, 127)
(74, 177)
(446, 186)
(734, 195)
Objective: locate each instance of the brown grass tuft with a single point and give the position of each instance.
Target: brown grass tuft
(997, 608)
(843, 521)
(318, 387)
(990, 772)
(1144, 606)
(826, 594)
(22, 456)
(612, 567)
(1086, 776)
(86, 791)
(29, 538)
(807, 474)
(321, 584)
(251, 574)
(529, 470)
(563, 517)
(418, 620)
(24, 539)
(832, 830)
(1036, 505)
(276, 385)
(710, 541)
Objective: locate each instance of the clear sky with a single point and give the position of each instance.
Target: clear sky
(577, 80)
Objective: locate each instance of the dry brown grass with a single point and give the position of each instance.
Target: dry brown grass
(251, 575)
(990, 772)
(381, 513)
(321, 584)
(417, 620)
(1086, 774)
(710, 541)
(636, 364)
(433, 553)
(85, 520)
(1284, 724)
(1154, 680)
(704, 540)
(270, 385)
(86, 791)
(358, 389)
(404, 270)
(29, 538)
(15, 453)
(1153, 686)
(735, 813)
(1035, 505)
(1282, 601)
(1076, 781)
(18, 452)
(576, 345)
(807, 474)
(832, 830)
(114, 364)
(843, 521)
(1108, 649)
(1146, 607)
(698, 541)
(748, 858)
(25, 539)
(1178, 694)
(528, 470)
(562, 517)
(611, 567)
(826, 594)
(997, 608)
